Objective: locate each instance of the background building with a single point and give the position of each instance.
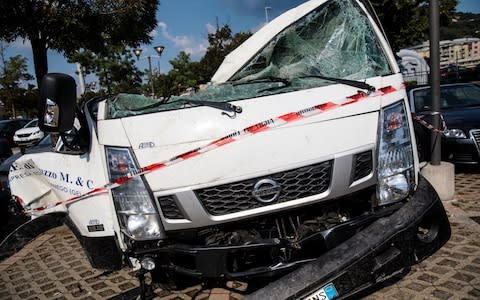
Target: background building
(464, 52)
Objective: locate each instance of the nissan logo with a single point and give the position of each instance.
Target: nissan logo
(266, 190)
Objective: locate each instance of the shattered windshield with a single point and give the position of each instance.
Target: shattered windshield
(334, 41)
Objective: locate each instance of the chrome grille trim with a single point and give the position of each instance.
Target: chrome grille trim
(295, 184)
(475, 133)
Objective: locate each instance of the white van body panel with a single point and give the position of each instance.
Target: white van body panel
(58, 177)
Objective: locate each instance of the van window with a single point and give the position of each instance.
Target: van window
(335, 40)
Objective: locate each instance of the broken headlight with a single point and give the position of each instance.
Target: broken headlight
(395, 155)
(136, 211)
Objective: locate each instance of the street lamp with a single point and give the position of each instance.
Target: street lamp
(138, 52)
(159, 49)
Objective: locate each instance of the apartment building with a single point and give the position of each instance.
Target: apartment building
(464, 52)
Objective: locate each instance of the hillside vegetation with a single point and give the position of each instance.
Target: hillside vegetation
(461, 26)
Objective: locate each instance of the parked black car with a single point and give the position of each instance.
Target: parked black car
(5, 149)
(8, 128)
(460, 108)
(454, 73)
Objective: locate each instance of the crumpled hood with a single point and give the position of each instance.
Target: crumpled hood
(162, 137)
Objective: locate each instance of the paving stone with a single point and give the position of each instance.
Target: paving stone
(416, 286)
(453, 285)
(428, 278)
(462, 276)
(475, 292)
(439, 270)
(26, 294)
(126, 286)
(439, 294)
(47, 287)
(53, 294)
(99, 286)
(78, 293)
(448, 263)
(118, 279)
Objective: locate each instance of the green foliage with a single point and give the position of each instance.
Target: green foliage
(187, 74)
(221, 42)
(406, 22)
(462, 25)
(183, 73)
(116, 70)
(17, 100)
(69, 25)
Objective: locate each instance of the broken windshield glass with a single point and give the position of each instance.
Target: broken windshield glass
(336, 41)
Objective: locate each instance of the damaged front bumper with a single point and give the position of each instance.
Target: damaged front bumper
(383, 249)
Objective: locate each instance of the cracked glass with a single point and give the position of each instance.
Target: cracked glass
(335, 40)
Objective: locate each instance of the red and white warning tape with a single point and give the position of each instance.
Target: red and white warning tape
(230, 138)
(421, 121)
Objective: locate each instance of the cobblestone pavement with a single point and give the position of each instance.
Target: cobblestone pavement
(53, 266)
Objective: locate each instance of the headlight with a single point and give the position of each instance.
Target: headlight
(454, 133)
(135, 209)
(395, 155)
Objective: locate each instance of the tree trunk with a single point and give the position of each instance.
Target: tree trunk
(39, 49)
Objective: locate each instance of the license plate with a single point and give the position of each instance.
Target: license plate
(327, 292)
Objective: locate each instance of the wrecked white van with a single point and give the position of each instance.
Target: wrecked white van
(297, 161)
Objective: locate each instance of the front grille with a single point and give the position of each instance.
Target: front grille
(295, 184)
(24, 135)
(362, 165)
(476, 136)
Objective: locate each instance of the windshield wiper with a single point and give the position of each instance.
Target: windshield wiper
(354, 83)
(226, 106)
(285, 81)
(219, 105)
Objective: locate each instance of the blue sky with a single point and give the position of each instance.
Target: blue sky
(183, 25)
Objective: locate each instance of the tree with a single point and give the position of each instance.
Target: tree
(406, 22)
(221, 42)
(183, 73)
(69, 25)
(116, 69)
(186, 74)
(12, 75)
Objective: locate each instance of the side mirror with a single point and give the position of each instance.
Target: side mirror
(57, 103)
